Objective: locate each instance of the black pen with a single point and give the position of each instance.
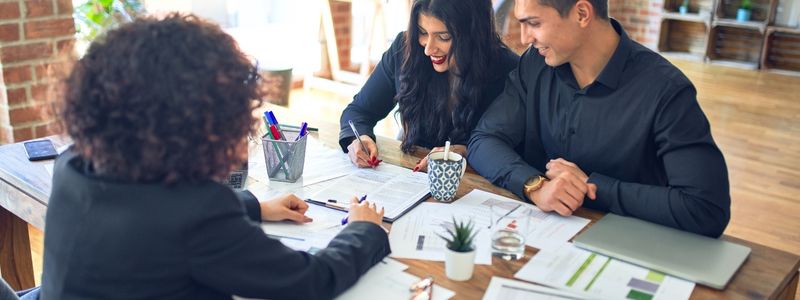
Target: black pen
(326, 204)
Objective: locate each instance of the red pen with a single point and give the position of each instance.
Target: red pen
(275, 133)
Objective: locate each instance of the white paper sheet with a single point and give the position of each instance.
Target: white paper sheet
(311, 236)
(394, 188)
(415, 235)
(546, 230)
(579, 271)
(387, 281)
(509, 289)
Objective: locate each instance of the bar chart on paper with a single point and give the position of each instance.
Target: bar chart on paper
(595, 275)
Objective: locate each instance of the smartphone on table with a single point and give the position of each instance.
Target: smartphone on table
(40, 150)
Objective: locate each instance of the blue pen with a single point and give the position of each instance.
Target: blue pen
(303, 131)
(344, 220)
(274, 121)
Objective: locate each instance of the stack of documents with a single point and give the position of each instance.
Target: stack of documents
(596, 276)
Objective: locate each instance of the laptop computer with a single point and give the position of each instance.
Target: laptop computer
(693, 257)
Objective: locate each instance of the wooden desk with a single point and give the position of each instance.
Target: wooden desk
(24, 188)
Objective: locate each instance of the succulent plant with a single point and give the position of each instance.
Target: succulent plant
(746, 4)
(460, 236)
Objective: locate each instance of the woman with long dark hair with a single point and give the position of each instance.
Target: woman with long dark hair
(443, 72)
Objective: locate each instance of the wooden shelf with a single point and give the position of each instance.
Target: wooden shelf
(760, 26)
(689, 17)
(735, 46)
(710, 32)
(684, 39)
(762, 11)
(683, 55)
(781, 50)
(700, 8)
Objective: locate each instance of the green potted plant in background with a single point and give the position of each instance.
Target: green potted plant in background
(459, 259)
(93, 17)
(684, 8)
(744, 11)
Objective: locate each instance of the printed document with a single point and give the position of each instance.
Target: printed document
(416, 235)
(509, 289)
(593, 275)
(546, 230)
(394, 188)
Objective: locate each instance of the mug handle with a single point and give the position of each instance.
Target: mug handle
(463, 166)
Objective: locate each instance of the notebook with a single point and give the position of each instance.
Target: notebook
(701, 259)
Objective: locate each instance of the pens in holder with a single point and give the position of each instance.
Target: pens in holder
(344, 220)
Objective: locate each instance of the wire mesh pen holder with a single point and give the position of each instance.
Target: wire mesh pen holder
(285, 159)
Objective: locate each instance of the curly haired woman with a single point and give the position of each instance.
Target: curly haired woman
(159, 111)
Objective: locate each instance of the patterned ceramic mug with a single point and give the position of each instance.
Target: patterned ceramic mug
(444, 176)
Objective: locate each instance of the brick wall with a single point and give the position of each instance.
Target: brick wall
(342, 26)
(36, 42)
(640, 18)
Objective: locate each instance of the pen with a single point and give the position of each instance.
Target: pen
(372, 162)
(328, 205)
(344, 220)
(308, 129)
(274, 121)
(281, 154)
(303, 131)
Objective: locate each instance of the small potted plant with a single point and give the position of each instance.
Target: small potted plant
(684, 8)
(743, 13)
(459, 259)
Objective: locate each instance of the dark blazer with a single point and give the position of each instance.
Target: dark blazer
(376, 98)
(107, 239)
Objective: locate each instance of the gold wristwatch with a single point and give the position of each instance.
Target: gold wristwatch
(534, 183)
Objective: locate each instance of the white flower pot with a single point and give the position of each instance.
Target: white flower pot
(459, 265)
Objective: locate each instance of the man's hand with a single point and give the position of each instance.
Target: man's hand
(286, 207)
(560, 165)
(361, 158)
(422, 165)
(565, 191)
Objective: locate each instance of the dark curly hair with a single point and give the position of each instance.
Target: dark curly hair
(162, 100)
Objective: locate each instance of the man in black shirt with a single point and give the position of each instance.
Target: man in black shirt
(591, 118)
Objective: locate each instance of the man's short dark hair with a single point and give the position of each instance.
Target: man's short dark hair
(563, 6)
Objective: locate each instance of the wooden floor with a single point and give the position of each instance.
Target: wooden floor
(755, 120)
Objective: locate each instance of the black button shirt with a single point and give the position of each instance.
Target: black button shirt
(637, 131)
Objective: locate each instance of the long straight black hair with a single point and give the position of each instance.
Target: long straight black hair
(443, 105)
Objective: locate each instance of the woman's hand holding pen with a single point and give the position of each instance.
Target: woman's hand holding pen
(361, 158)
(422, 165)
(286, 207)
(364, 211)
